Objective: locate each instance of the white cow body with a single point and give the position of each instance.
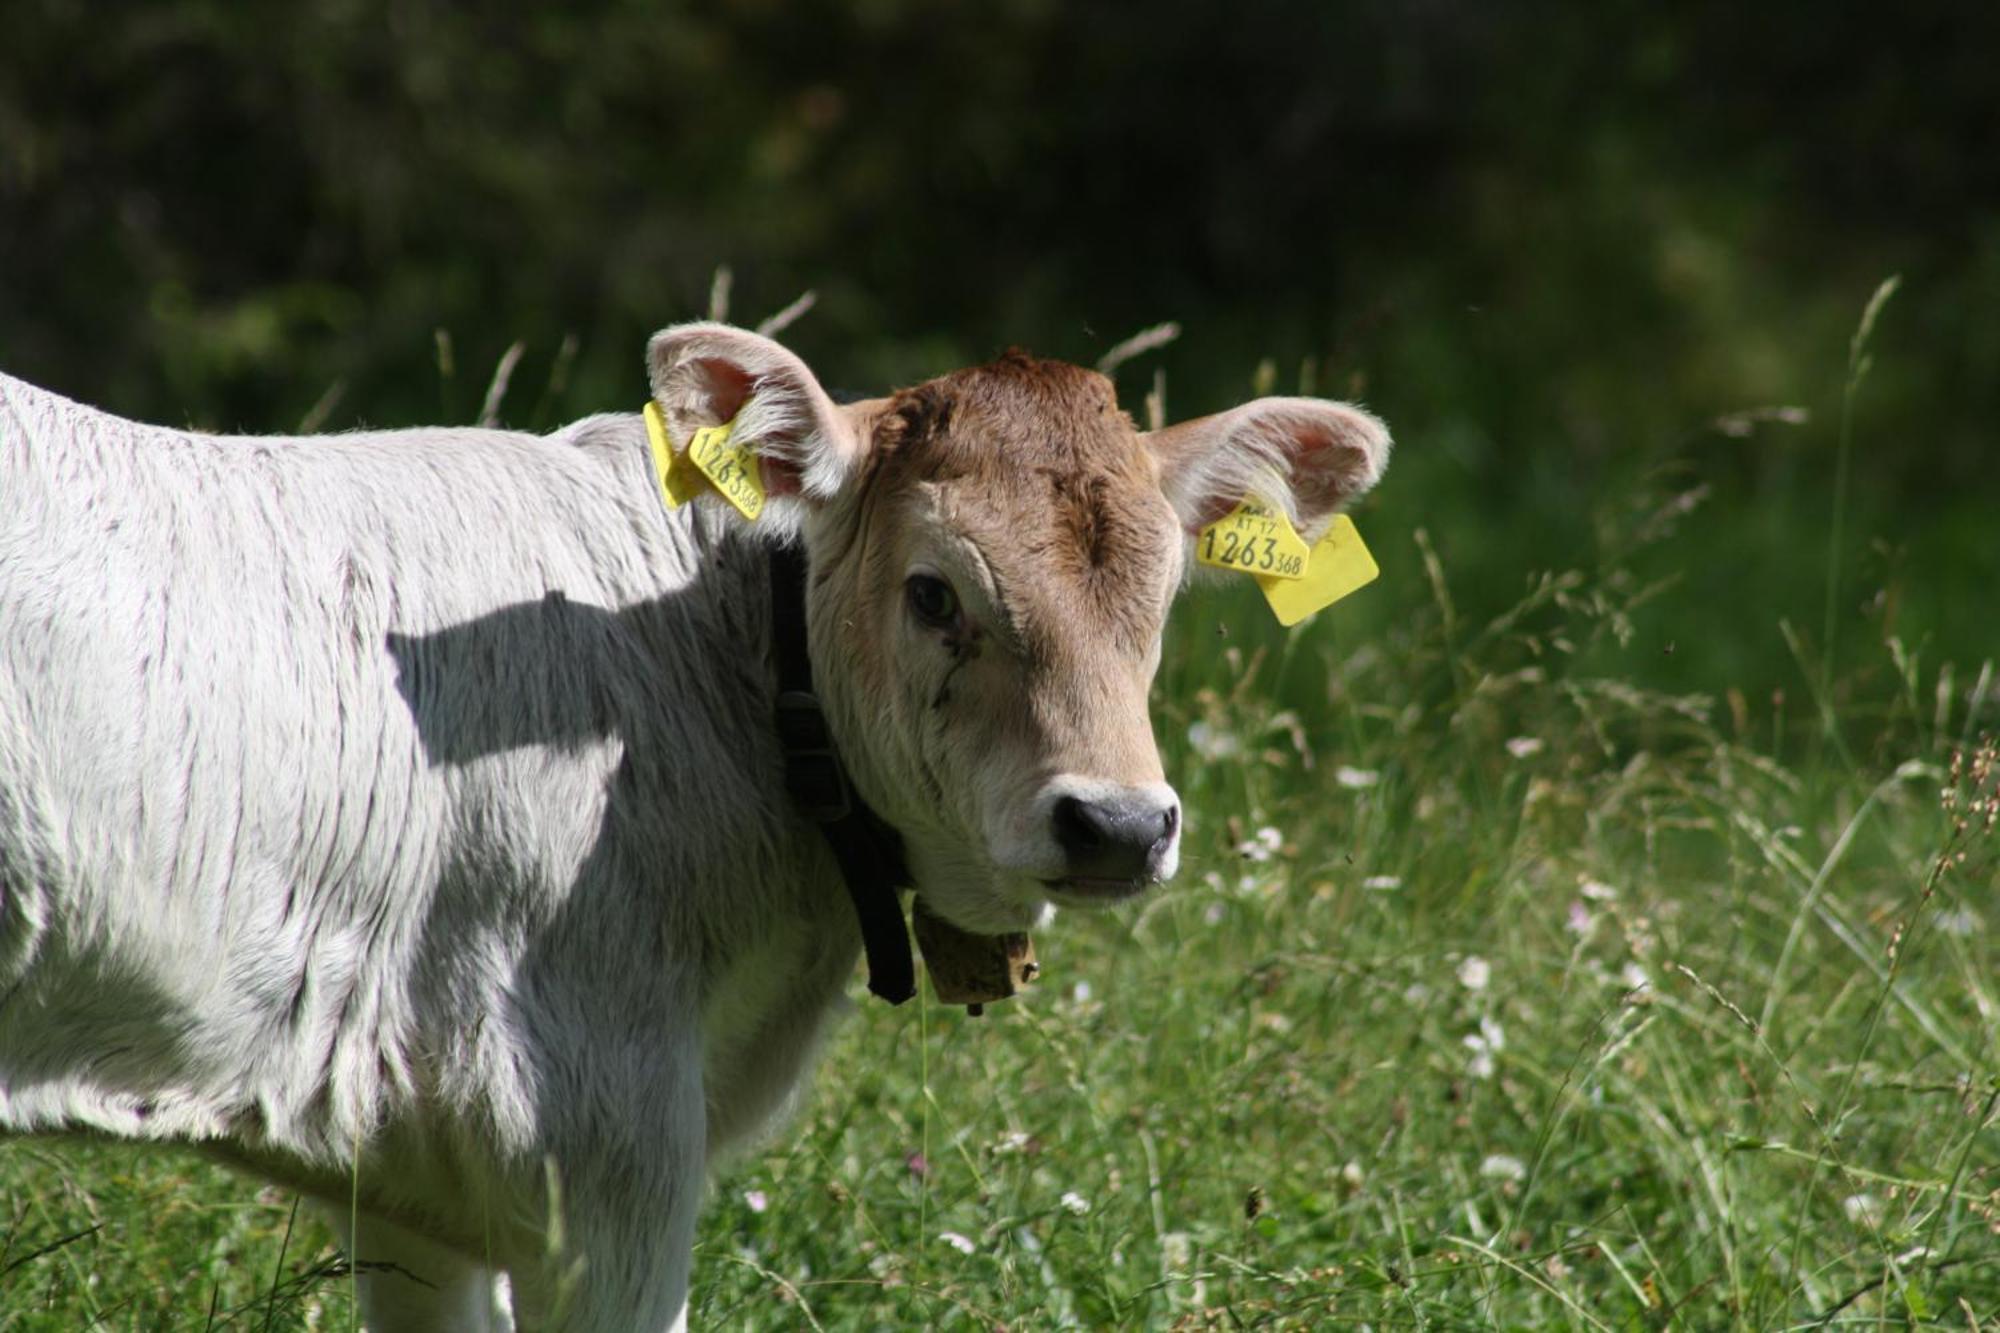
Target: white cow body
(393, 811)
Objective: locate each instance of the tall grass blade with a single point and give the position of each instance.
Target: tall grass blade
(496, 388)
(718, 293)
(1140, 343)
(1858, 363)
(773, 325)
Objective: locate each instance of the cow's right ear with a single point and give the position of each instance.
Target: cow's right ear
(709, 374)
(1309, 457)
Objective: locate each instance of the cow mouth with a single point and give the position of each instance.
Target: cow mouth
(1097, 889)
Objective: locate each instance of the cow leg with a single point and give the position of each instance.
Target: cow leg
(410, 1285)
(628, 1171)
(621, 1259)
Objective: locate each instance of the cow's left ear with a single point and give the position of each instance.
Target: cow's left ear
(709, 374)
(1307, 456)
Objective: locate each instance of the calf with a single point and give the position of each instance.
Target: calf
(401, 815)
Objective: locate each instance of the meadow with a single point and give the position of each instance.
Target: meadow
(1530, 967)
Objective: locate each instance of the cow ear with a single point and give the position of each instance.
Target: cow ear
(709, 374)
(1307, 456)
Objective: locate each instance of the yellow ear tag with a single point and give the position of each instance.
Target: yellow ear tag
(1254, 538)
(678, 482)
(733, 468)
(1340, 564)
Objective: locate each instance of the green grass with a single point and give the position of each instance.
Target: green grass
(1551, 1002)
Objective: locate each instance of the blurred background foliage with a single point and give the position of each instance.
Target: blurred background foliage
(1583, 258)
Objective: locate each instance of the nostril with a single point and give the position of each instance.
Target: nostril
(1078, 830)
(1119, 838)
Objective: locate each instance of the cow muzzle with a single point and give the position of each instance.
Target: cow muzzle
(1111, 840)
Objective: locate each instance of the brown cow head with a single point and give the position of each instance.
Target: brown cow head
(993, 556)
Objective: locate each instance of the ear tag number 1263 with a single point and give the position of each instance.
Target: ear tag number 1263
(1254, 538)
(710, 460)
(732, 468)
(1257, 539)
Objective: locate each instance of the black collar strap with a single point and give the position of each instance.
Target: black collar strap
(869, 852)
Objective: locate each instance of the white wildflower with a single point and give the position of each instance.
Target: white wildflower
(1212, 743)
(1503, 1166)
(1262, 845)
(1177, 1256)
(1075, 1202)
(1579, 920)
(1634, 976)
(957, 1242)
(1474, 973)
(1959, 921)
(1080, 992)
(1484, 1045)
(1383, 883)
(1524, 747)
(1351, 1176)
(1354, 779)
(1013, 1141)
(1864, 1210)
(1213, 916)
(1597, 891)
(757, 1200)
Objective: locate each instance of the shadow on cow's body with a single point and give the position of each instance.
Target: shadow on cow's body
(697, 785)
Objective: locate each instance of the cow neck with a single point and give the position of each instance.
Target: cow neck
(868, 850)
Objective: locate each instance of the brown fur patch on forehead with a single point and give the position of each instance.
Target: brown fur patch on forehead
(1018, 410)
(1055, 486)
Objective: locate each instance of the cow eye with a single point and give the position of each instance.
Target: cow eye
(932, 601)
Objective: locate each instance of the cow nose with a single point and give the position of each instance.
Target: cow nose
(1124, 838)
